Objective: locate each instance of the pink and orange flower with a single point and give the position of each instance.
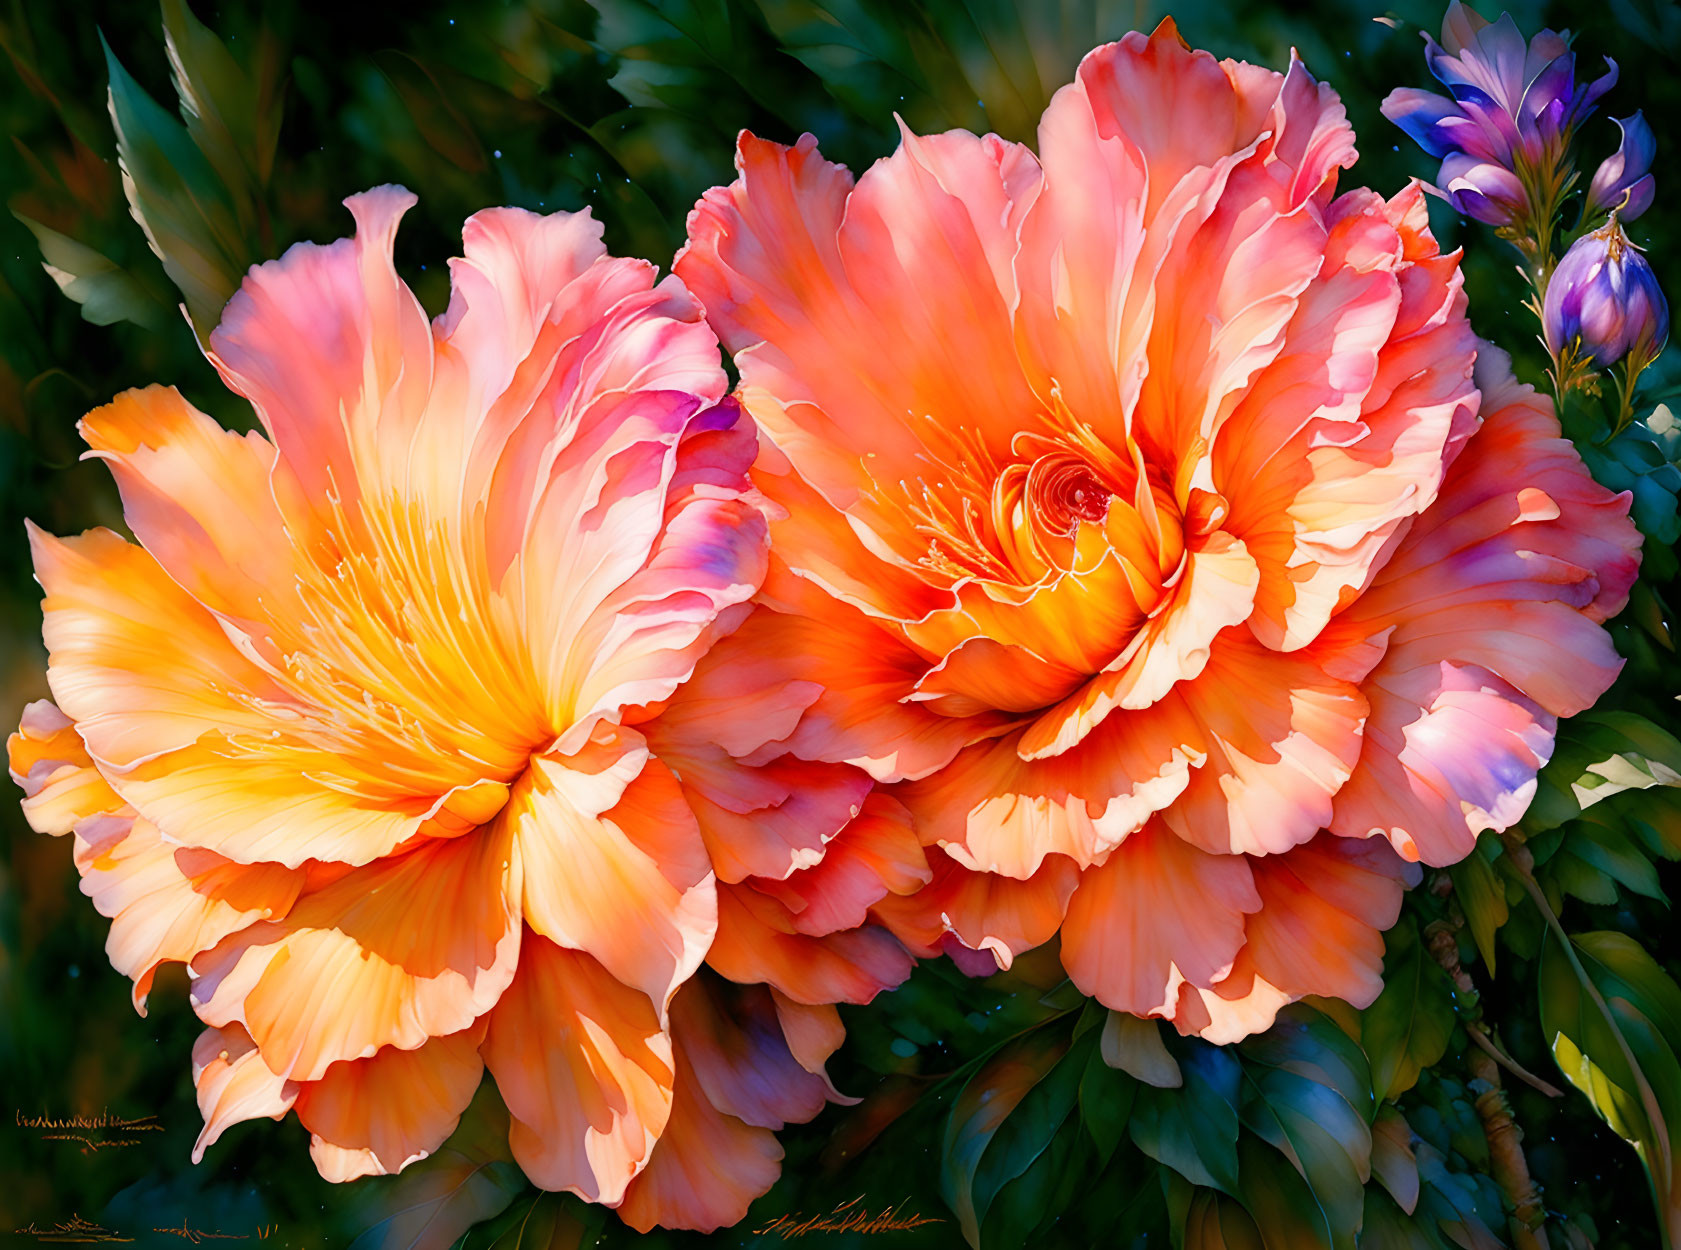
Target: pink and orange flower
(1156, 529)
(382, 728)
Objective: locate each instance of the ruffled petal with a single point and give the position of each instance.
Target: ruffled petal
(199, 499)
(707, 1167)
(757, 942)
(61, 787)
(629, 882)
(169, 904)
(993, 811)
(330, 345)
(838, 302)
(1158, 913)
(1494, 600)
(732, 1037)
(985, 911)
(234, 1084)
(876, 854)
(375, 1116)
(586, 1069)
(1280, 736)
(349, 970)
(196, 733)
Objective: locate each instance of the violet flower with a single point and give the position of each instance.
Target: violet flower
(1504, 129)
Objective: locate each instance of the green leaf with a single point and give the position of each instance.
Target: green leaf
(1039, 1195)
(1215, 1222)
(1461, 1206)
(1603, 841)
(1194, 1130)
(1106, 1098)
(1394, 1164)
(1601, 753)
(107, 292)
(980, 64)
(1482, 896)
(186, 211)
(1324, 1138)
(1609, 1012)
(1135, 1046)
(1306, 1041)
(1385, 1226)
(1407, 1028)
(1283, 1206)
(472, 1177)
(1640, 460)
(232, 111)
(545, 1221)
(1004, 1118)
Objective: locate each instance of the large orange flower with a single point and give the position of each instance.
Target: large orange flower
(1157, 530)
(380, 726)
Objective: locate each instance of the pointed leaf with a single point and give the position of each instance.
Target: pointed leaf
(1612, 1015)
(107, 292)
(1003, 1119)
(1135, 1046)
(1394, 1165)
(1194, 1130)
(1482, 896)
(1408, 1027)
(186, 211)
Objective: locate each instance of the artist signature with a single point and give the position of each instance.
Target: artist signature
(75, 1229)
(101, 1131)
(848, 1217)
(78, 1230)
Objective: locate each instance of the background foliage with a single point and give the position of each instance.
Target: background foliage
(1010, 1110)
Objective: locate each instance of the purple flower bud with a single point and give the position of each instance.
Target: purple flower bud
(1622, 181)
(1603, 301)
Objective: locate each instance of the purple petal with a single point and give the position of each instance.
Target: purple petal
(1625, 170)
(1420, 114)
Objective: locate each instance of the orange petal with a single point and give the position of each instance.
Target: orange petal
(168, 904)
(707, 1167)
(986, 911)
(375, 1116)
(875, 855)
(586, 1070)
(1342, 438)
(757, 821)
(61, 786)
(813, 1032)
(757, 942)
(838, 300)
(1217, 591)
(198, 498)
(639, 582)
(1282, 735)
(1324, 908)
(348, 971)
(188, 728)
(1156, 914)
(630, 885)
(327, 343)
(732, 1037)
(863, 674)
(234, 1084)
(994, 811)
